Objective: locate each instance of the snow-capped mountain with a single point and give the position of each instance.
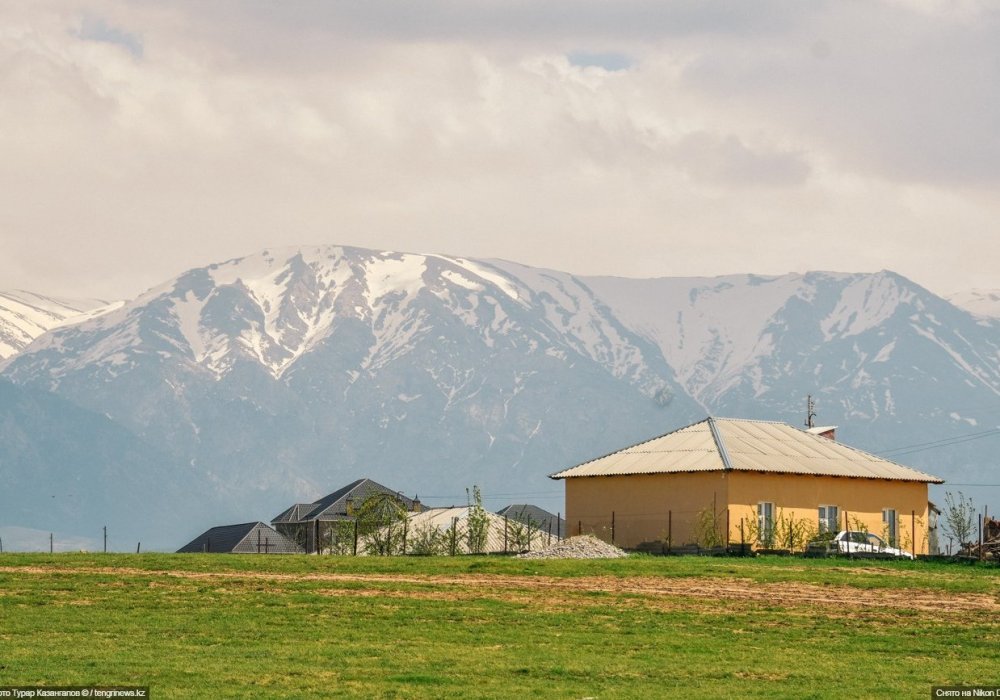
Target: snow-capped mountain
(888, 361)
(274, 378)
(981, 302)
(278, 376)
(24, 316)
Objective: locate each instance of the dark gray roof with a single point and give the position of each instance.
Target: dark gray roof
(333, 506)
(294, 514)
(525, 513)
(246, 538)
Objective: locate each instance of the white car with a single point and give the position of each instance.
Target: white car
(866, 544)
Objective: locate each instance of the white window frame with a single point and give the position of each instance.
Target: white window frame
(826, 522)
(765, 523)
(892, 521)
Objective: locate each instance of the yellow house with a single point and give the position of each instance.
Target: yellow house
(725, 481)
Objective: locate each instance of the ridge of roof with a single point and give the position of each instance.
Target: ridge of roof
(720, 445)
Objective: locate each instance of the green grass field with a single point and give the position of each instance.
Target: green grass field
(644, 627)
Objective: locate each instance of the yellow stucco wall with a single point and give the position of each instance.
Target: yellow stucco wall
(799, 497)
(646, 507)
(651, 507)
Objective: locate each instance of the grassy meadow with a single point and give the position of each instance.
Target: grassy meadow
(643, 627)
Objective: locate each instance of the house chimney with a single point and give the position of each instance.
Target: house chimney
(825, 431)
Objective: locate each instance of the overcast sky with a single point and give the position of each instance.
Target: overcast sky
(628, 137)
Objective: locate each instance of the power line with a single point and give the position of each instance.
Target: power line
(934, 444)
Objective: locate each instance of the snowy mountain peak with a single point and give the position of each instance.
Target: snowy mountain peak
(273, 308)
(24, 316)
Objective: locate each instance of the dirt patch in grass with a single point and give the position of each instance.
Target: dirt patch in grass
(526, 588)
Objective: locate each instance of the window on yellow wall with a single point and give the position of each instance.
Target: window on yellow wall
(765, 524)
(829, 519)
(891, 530)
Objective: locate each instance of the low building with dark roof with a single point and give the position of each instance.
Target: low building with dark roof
(535, 517)
(309, 523)
(245, 538)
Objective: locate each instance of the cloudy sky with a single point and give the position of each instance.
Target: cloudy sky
(628, 137)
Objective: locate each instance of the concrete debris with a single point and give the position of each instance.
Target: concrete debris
(582, 547)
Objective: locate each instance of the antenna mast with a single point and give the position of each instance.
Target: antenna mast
(810, 411)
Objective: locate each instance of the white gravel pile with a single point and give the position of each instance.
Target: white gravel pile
(582, 547)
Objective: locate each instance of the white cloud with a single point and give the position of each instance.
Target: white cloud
(633, 137)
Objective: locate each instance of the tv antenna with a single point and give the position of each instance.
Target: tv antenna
(810, 411)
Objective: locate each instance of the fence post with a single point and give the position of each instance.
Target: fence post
(727, 532)
(579, 527)
(670, 531)
(558, 526)
(52, 546)
(913, 530)
(612, 527)
(742, 539)
(506, 526)
(137, 546)
(406, 530)
(847, 533)
(354, 549)
(105, 539)
(980, 536)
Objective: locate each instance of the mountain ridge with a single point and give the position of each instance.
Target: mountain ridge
(275, 376)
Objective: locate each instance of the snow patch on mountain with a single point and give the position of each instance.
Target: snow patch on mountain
(709, 329)
(25, 316)
(864, 304)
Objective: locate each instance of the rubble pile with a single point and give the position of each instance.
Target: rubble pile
(991, 542)
(582, 547)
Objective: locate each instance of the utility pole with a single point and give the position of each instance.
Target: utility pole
(810, 411)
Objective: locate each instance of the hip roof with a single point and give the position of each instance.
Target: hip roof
(727, 444)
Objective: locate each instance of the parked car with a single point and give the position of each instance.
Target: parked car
(863, 544)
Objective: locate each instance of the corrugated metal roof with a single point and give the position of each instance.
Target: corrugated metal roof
(442, 519)
(745, 445)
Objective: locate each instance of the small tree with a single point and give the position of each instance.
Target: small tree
(381, 519)
(792, 533)
(521, 531)
(959, 518)
(478, 523)
(452, 536)
(427, 541)
(706, 529)
(340, 537)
